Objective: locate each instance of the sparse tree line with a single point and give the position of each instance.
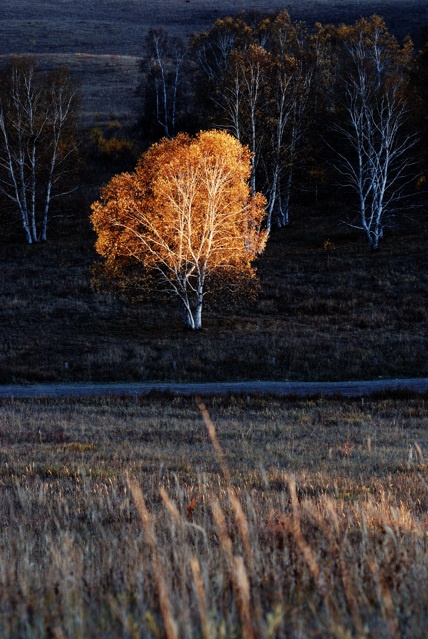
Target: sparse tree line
(343, 105)
(298, 109)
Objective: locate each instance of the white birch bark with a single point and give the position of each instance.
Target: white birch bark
(165, 59)
(378, 166)
(33, 117)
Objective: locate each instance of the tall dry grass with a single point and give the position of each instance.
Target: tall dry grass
(253, 518)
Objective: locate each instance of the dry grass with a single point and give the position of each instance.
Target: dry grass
(118, 520)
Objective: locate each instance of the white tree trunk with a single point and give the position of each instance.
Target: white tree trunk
(193, 314)
(378, 165)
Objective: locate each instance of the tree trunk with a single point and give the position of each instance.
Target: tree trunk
(193, 319)
(198, 314)
(27, 230)
(193, 312)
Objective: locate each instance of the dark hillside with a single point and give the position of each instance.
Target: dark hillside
(329, 308)
(117, 27)
(108, 84)
(81, 34)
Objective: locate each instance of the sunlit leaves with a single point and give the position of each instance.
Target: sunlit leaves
(187, 213)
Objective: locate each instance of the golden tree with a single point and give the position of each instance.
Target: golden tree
(187, 216)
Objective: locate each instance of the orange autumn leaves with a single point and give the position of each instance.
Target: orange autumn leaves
(187, 213)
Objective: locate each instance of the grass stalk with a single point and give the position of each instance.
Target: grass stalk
(214, 440)
(171, 631)
(386, 603)
(237, 572)
(198, 581)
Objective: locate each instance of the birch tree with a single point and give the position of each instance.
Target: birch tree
(259, 82)
(247, 82)
(38, 147)
(187, 216)
(289, 111)
(212, 51)
(165, 66)
(419, 82)
(375, 158)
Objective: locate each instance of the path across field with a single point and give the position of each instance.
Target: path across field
(345, 389)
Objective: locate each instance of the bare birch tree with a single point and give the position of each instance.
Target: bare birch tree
(375, 160)
(164, 63)
(38, 145)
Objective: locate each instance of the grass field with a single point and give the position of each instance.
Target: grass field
(312, 522)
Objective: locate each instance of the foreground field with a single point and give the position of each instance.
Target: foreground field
(124, 518)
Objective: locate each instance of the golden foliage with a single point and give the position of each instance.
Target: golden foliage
(187, 211)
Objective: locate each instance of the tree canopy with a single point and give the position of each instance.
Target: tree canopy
(256, 81)
(186, 216)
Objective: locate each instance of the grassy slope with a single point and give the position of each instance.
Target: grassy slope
(116, 26)
(326, 311)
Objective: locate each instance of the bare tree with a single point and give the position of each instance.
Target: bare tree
(38, 145)
(380, 166)
(375, 160)
(164, 63)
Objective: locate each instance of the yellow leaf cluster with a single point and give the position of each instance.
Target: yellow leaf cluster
(187, 208)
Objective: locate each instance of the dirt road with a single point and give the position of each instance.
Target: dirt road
(345, 389)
